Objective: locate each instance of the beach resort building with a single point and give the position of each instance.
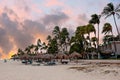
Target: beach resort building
(113, 46)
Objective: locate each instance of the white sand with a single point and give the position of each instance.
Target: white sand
(13, 70)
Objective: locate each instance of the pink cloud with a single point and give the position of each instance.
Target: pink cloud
(50, 3)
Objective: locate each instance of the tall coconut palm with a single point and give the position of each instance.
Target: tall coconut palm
(49, 38)
(77, 41)
(111, 10)
(64, 38)
(52, 46)
(36, 48)
(107, 28)
(80, 31)
(95, 19)
(90, 28)
(44, 46)
(57, 36)
(39, 44)
(20, 52)
(80, 35)
(27, 50)
(56, 32)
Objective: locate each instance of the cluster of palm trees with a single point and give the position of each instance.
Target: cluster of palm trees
(59, 40)
(31, 50)
(82, 41)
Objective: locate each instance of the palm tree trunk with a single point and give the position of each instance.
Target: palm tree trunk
(116, 27)
(98, 43)
(114, 46)
(89, 39)
(98, 35)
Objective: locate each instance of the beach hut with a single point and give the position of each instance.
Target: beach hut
(47, 57)
(61, 56)
(25, 57)
(38, 56)
(75, 55)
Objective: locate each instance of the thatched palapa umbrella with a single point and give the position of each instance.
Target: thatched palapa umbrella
(61, 56)
(48, 56)
(25, 57)
(75, 55)
(38, 56)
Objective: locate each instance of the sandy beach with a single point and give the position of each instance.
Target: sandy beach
(84, 70)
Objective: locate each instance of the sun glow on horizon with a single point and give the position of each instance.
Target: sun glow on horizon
(7, 56)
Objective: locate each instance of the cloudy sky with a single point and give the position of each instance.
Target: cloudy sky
(22, 22)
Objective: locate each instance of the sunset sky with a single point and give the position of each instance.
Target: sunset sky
(22, 22)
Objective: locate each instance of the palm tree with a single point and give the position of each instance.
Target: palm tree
(56, 32)
(52, 46)
(107, 39)
(80, 32)
(107, 28)
(90, 28)
(94, 40)
(36, 48)
(27, 50)
(80, 39)
(64, 38)
(111, 10)
(20, 52)
(76, 42)
(39, 44)
(57, 36)
(96, 20)
(49, 38)
(44, 46)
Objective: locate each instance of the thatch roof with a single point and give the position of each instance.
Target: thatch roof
(38, 56)
(61, 56)
(25, 56)
(48, 56)
(75, 55)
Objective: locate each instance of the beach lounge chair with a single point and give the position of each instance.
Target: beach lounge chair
(50, 63)
(64, 61)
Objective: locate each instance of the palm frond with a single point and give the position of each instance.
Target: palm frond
(118, 10)
(118, 7)
(108, 15)
(118, 15)
(111, 6)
